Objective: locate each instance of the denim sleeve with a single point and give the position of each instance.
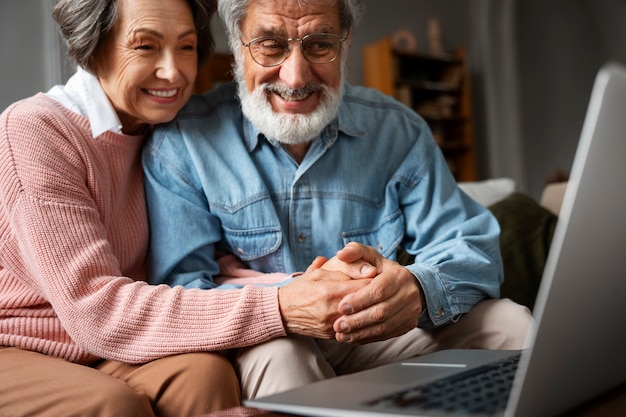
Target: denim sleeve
(183, 233)
(454, 240)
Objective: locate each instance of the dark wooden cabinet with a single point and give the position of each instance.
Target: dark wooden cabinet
(437, 88)
(217, 70)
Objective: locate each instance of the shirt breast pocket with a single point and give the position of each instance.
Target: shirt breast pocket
(253, 244)
(384, 236)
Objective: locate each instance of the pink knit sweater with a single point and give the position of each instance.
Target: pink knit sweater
(73, 236)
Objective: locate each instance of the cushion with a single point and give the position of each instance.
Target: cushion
(527, 230)
(489, 191)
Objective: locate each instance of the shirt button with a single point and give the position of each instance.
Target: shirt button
(380, 247)
(301, 238)
(240, 251)
(441, 311)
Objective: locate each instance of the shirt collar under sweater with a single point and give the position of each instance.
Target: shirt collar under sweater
(84, 95)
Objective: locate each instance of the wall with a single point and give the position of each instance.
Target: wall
(22, 55)
(561, 46)
(534, 65)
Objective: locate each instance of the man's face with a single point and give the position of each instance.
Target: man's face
(299, 97)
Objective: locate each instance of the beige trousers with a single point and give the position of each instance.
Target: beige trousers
(292, 361)
(33, 384)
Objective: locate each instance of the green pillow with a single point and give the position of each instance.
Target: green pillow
(527, 230)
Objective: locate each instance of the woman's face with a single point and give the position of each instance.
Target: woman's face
(148, 63)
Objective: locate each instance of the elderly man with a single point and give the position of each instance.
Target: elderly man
(290, 163)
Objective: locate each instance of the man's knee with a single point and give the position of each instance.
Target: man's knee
(284, 351)
(280, 364)
(509, 321)
(508, 312)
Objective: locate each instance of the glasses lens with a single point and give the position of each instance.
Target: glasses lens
(269, 51)
(321, 48)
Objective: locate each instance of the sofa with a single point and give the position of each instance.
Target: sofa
(527, 227)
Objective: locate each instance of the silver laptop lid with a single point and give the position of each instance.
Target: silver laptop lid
(579, 348)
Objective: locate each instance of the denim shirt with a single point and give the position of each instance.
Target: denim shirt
(375, 175)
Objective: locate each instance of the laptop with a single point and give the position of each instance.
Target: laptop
(578, 346)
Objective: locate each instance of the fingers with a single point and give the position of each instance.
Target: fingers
(324, 302)
(317, 263)
(380, 322)
(356, 270)
(383, 288)
(354, 251)
(309, 304)
(373, 332)
(357, 261)
(388, 307)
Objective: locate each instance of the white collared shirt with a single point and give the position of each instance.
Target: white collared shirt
(84, 95)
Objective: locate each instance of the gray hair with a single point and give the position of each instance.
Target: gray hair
(85, 24)
(233, 12)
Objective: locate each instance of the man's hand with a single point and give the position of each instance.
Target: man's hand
(356, 297)
(309, 304)
(389, 306)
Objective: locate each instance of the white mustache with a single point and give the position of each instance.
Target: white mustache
(298, 93)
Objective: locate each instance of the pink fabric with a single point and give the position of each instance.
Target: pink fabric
(233, 271)
(73, 236)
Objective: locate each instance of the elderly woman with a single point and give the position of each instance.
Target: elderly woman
(81, 332)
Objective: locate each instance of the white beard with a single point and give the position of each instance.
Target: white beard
(288, 129)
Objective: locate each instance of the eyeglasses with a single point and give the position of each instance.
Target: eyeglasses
(318, 48)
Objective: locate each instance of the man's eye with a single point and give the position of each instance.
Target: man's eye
(145, 47)
(319, 45)
(271, 44)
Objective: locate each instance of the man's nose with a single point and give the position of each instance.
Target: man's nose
(295, 72)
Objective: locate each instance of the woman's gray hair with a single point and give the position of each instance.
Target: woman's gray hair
(84, 25)
(233, 12)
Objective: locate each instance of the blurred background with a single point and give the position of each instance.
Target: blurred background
(531, 66)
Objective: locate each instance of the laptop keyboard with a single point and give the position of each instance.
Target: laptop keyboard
(483, 390)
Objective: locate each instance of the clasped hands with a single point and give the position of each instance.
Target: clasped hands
(355, 297)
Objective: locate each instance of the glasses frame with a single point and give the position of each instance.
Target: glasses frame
(290, 49)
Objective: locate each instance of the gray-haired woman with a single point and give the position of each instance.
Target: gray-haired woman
(81, 332)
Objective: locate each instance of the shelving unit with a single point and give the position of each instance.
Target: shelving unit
(437, 88)
(217, 70)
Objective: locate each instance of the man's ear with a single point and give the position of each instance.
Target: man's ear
(349, 40)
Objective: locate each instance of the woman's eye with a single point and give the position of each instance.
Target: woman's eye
(145, 47)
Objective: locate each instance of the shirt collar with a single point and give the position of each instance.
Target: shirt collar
(84, 95)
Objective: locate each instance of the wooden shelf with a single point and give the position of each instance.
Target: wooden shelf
(437, 88)
(217, 70)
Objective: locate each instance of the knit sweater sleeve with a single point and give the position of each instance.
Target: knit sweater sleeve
(72, 240)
